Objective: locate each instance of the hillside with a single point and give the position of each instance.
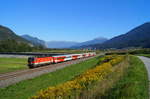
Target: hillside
(10, 42)
(6, 33)
(137, 37)
(34, 40)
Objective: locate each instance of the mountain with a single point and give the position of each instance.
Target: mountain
(60, 44)
(34, 40)
(137, 37)
(91, 42)
(10, 42)
(49, 44)
(70, 44)
(6, 33)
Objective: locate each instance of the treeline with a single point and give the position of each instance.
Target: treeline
(134, 51)
(140, 51)
(14, 46)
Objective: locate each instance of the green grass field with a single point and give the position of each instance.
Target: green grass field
(12, 64)
(27, 88)
(134, 84)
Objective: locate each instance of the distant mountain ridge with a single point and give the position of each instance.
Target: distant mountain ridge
(137, 37)
(70, 44)
(98, 40)
(49, 44)
(60, 44)
(36, 41)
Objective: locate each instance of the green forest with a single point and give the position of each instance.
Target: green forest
(14, 46)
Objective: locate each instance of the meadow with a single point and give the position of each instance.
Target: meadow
(12, 64)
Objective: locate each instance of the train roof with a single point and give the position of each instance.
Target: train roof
(62, 55)
(77, 54)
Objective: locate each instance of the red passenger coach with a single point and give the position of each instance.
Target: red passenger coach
(57, 59)
(85, 54)
(75, 57)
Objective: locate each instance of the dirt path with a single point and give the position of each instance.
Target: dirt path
(146, 61)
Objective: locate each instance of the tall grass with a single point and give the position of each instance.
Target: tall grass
(133, 85)
(99, 89)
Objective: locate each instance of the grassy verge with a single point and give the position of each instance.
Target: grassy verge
(134, 84)
(28, 88)
(12, 64)
(146, 55)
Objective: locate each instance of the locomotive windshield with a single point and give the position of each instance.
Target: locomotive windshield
(30, 59)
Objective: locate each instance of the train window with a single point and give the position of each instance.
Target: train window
(60, 58)
(68, 56)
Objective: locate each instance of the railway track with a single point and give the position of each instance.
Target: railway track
(14, 77)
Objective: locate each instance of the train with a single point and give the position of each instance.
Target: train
(34, 62)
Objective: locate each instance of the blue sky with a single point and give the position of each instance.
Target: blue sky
(73, 20)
